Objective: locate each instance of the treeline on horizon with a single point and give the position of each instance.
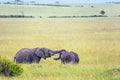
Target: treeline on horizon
(21, 16)
(56, 4)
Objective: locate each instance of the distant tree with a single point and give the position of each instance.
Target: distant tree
(81, 6)
(57, 2)
(92, 6)
(32, 1)
(17, 1)
(102, 12)
(22, 13)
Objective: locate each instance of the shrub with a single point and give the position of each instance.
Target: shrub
(9, 68)
(102, 12)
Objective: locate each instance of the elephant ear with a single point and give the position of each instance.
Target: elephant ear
(47, 52)
(40, 53)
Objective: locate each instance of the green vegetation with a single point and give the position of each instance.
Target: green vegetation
(9, 68)
(102, 12)
(96, 40)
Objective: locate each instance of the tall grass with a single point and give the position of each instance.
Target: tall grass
(95, 40)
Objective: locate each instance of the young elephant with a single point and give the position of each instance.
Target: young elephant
(34, 55)
(68, 57)
(76, 56)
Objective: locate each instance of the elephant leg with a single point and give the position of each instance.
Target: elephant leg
(18, 60)
(37, 60)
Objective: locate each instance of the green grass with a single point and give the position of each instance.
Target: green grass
(46, 11)
(96, 40)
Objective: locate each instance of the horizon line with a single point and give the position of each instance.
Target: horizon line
(59, 1)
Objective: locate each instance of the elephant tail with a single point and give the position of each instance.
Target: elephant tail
(14, 59)
(58, 57)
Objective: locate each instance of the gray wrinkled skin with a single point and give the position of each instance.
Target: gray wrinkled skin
(26, 55)
(68, 57)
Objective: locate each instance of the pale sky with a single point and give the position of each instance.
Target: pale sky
(69, 1)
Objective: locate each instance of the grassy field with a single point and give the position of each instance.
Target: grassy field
(74, 10)
(96, 40)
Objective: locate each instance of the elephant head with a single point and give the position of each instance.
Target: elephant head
(40, 53)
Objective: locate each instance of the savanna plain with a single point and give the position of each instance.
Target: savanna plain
(96, 40)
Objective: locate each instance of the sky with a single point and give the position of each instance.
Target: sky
(67, 1)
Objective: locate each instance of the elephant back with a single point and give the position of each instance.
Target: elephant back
(76, 56)
(24, 55)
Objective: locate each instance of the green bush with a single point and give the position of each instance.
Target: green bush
(9, 68)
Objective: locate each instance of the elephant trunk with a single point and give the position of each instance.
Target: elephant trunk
(56, 52)
(14, 59)
(60, 52)
(58, 57)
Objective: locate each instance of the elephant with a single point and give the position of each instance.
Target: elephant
(76, 56)
(34, 55)
(68, 57)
